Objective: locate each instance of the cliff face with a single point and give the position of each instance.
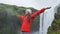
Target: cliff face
(55, 26)
(9, 23)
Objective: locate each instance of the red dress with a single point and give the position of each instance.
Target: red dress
(26, 24)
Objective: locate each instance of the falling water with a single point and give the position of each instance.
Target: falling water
(46, 19)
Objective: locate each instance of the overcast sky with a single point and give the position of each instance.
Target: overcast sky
(37, 4)
(31, 3)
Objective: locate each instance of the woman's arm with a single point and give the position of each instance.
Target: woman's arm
(19, 16)
(38, 12)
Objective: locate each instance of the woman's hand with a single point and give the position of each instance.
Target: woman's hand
(48, 7)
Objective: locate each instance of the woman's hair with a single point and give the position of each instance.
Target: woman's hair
(29, 13)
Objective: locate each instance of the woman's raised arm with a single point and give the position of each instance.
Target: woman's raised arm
(19, 16)
(38, 12)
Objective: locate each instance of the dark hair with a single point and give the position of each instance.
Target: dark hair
(29, 15)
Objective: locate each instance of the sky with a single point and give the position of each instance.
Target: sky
(32, 3)
(38, 4)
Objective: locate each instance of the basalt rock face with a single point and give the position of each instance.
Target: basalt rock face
(55, 26)
(10, 23)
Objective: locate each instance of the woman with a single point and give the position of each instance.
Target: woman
(28, 18)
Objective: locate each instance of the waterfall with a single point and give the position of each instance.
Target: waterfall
(46, 19)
